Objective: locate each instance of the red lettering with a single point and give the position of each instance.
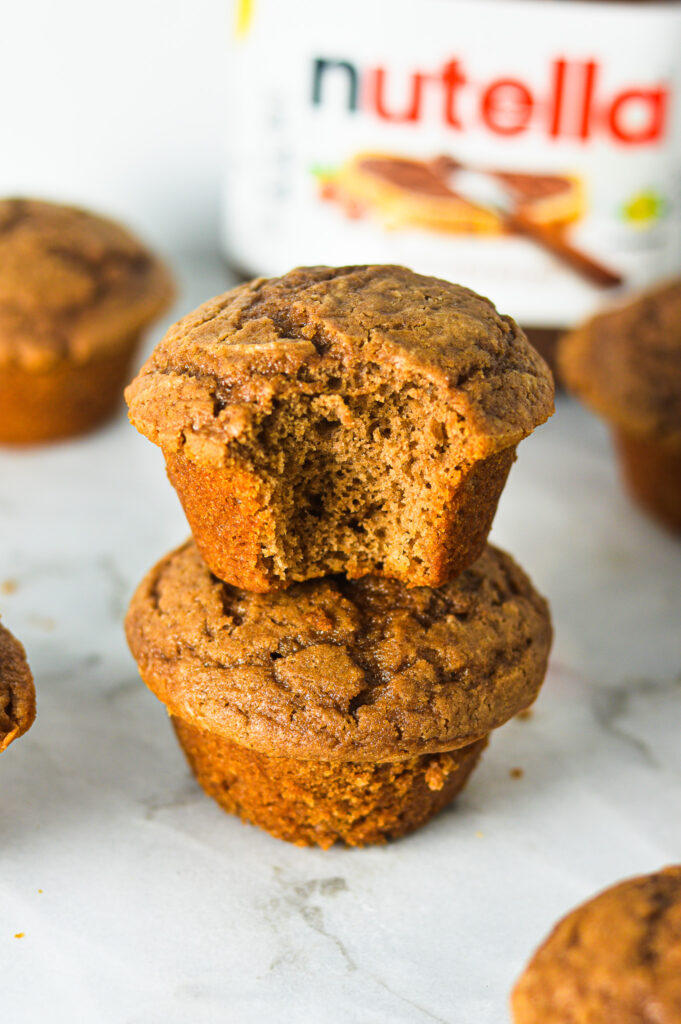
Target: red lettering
(452, 80)
(506, 106)
(590, 69)
(376, 96)
(572, 106)
(651, 103)
(556, 105)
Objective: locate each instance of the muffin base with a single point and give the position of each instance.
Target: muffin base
(63, 401)
(231, 520)
(652, 473)
(316, 803)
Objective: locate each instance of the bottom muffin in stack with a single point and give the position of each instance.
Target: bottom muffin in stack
(338, 709)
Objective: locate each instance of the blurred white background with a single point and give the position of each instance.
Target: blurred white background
(118, 106)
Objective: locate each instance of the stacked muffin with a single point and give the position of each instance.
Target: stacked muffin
(338, 639)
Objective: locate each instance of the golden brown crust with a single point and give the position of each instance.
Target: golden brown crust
(231, 520)
(626, 364)
(614, 960)
(342, 670)
(232, 359)
(73, 285)
(17, 692)
(320, 802)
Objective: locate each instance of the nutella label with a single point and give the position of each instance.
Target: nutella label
(531, 151)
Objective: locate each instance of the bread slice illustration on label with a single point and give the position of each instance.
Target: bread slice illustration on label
(446, 196)
(427, 193)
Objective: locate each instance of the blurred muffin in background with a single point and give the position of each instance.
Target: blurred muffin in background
(614, 960)
(626, 365)
(17, 692)
(76, 292)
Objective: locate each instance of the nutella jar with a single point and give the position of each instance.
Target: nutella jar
(530, 150)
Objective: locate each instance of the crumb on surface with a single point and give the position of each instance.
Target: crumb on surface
(19, 935)
(8, 586)
(43, 622)
(516, 773)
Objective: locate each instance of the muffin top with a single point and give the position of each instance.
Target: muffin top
(338, 669)
(626, 363)
(617, 958)
(71, 284)
(240, 354)
(17, 693)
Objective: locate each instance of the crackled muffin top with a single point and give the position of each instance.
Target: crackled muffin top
(626, 363)
(343, 329)
(616, 959)
(17, 693)
(72, 284)
(336, 669)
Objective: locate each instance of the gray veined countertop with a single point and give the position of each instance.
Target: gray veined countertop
(139, 901)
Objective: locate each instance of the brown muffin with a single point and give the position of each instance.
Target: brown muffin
(356, 420)
(76, 291)
(17, 692)
(626, 365)
(338, 709)
(614, 960)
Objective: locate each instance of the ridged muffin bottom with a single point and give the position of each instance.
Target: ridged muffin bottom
(231, 520)
(320, 802)
(65, 400)
(652, 472)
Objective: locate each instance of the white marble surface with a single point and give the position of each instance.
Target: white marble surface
(139, 901)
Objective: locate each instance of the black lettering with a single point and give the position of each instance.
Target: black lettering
(321, 66)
